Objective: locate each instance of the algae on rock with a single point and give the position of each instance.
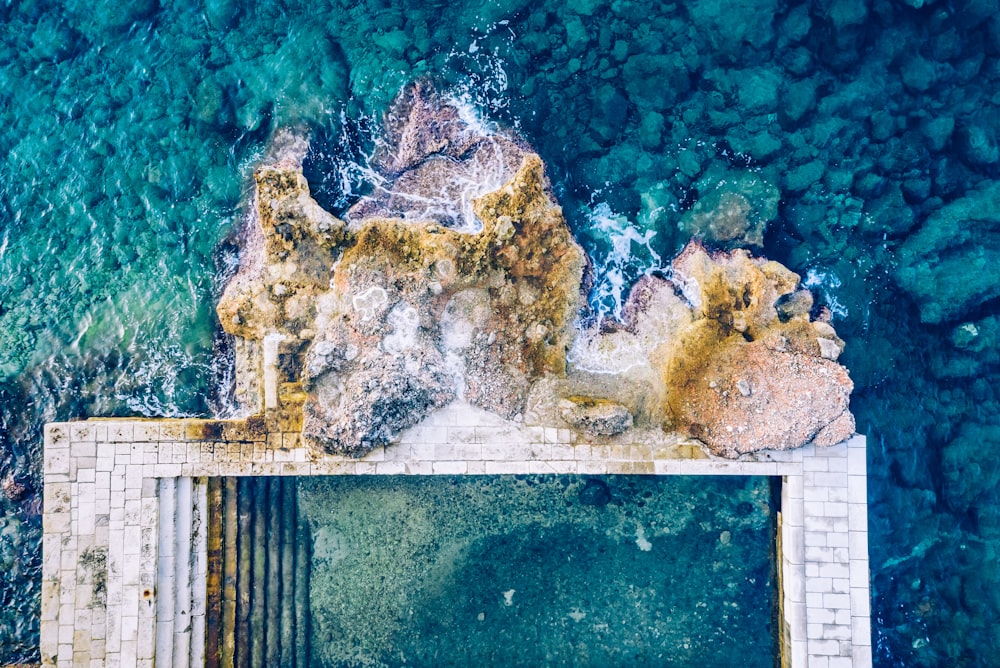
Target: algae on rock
(368, 326)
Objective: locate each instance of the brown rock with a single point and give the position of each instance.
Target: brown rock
(726, 352)
(746, 375)
(748, 397)
(375, 326)
(596, 417)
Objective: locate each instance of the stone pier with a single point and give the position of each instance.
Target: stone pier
(136, 521)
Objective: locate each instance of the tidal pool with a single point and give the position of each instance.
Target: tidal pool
(540, 570)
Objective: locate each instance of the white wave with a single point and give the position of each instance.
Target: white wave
(826, 283)
(630, 255)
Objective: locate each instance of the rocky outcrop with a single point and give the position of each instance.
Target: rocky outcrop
(386, 319)
(727, 352)
(363, 327)
(432, 163)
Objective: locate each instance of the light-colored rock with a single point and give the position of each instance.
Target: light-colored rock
(392, 318)
(724, 363)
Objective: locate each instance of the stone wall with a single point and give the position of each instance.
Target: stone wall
(105, 537)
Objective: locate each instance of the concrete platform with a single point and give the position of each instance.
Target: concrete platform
(124, 501)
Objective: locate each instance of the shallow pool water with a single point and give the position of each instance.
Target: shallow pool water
(127, 133)
(540, 570)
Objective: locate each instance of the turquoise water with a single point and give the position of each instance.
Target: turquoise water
(540, 571)
(128, 132)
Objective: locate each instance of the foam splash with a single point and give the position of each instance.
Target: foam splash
(484, 84)
(486, 172)
(629, 254)
(826, 283)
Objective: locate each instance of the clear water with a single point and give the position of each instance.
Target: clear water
(540, 571)
(127, 131)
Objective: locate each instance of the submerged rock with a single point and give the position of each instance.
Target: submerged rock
(948, 265)
(363, 328)
(734, 213)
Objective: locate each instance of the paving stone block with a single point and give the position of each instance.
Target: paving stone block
(857, 461)
(857, 489)
(834, 571)
(83, 449)
(831, 509)
(56, 460)
(425, 468)
(861, 656)
(860, 602)
(832, 479)
(815, 464)
(812, 493)
(467, 451)
(818, 584)
(376, 455)
(837, 494)
(857, 515)
(450, 468)
(825, 524)
(815, 539)
(824, 648)
(841, 585)
(837, 464)
(819, 554)
(82, 431)
(836, 632)
(792, 512)
(590, 467)
(506, 467)
(837, 539)
(120, 432)
(837, 601)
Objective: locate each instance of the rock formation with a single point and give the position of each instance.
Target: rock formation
(733, 213)
(725, 351)
(948, 266)
(459, 278)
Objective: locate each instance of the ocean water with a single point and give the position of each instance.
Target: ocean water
(128, 131)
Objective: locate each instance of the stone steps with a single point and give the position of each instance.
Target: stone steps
(232, 576)
(182, 571)
(262, 584)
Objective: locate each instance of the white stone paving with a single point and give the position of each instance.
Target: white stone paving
(109, 567)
